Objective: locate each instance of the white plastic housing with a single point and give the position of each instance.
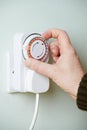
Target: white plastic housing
(21, 78)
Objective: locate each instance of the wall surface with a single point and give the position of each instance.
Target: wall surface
(57, 111)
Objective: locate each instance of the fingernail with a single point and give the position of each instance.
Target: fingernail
(53, 48)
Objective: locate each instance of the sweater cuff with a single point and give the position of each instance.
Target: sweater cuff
(82, 94)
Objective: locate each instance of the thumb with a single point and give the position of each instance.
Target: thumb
(40, 67)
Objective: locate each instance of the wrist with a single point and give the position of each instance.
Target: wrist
(74, 90)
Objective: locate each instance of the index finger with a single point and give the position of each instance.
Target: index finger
(60, 35)
(52, 33)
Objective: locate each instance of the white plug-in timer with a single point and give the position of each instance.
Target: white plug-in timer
(21, 78)
(35, 46)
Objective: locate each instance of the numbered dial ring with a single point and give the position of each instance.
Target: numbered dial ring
(37, 48)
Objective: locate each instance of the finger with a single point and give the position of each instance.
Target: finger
(61, 35)
(55, 58)
(54, 49)
(40, 67)
(52, 33)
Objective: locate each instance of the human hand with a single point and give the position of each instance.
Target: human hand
(66, 71)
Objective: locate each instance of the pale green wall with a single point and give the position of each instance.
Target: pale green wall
(57, 110)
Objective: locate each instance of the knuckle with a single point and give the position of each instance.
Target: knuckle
(64, 32)
(54, 77)
(72, 53)
(53, 74)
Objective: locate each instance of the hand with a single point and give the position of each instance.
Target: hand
(66, 71)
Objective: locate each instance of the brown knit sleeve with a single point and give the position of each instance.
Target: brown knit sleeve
(82, 94)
